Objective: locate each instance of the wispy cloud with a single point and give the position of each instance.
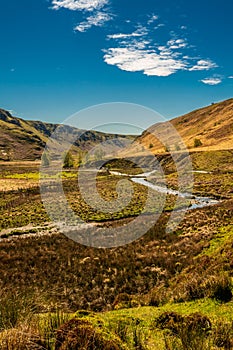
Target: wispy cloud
(139, 49)
(139, 52)
(79, 5)
(230, 77)
(97, 20)
(177, 43)
(203, 65)
(124, 36)
(212, 81)
(152, 19)
(98, 17)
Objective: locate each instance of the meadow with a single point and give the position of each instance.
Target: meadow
(163, 291)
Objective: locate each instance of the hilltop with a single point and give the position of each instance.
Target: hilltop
(25, 140)
(211, 126)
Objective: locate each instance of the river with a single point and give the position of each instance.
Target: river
(196, 201)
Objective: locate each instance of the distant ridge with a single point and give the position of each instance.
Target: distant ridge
(25, 140)
(212, 126)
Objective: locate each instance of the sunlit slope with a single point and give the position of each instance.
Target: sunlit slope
(209, 128)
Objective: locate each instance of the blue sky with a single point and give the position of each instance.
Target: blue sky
(60, 56)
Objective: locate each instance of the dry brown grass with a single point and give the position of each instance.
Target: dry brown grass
(22, 338)
(213, 125)
(16, 184)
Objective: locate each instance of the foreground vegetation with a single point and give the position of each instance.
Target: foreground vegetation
(202, 325)
(164, 291)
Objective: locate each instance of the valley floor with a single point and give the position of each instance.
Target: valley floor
(136, 296)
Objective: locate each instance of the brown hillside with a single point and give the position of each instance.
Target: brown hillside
(25, 140)
(212, 125)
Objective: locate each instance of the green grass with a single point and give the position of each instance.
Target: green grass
(220, 240)
(36, 175)
(140, 321)
(27, 176)
(133, 328)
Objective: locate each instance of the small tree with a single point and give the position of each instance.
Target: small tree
(151, 145)
(68, 161)
(197, 143)
(45, 160)
(177, 147)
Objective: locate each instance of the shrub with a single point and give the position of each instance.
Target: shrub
(158, 296)
(197, 143)
(81, 334)
(45, 160)
(169, 320)
(122, 300)
(192, 331)
(68, 161)
(222, 289)
(217, 286)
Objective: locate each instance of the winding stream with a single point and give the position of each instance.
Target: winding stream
(196, 201)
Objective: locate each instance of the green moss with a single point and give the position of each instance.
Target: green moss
(223, 238)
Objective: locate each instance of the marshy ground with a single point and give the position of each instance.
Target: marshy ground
(45, 277)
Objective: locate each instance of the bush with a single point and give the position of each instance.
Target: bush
(122, 300)
(197, 143)
(81, 334)
(158, 296)
(68, 161)
(222, 289)
(192, 331)
(217, 286)
(45, 160)
(171, 321)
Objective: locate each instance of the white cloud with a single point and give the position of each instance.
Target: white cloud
(124, 36)
(140, 51)
(152, 19)
(97, 7)
(138, 55)
(177, 44)
(98, 20)
(146, 61)
(79, 5)
(230, 77)
(203, 65)
(211, 81)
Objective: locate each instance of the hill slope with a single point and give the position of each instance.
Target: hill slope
(212, 125)
(25, 140)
